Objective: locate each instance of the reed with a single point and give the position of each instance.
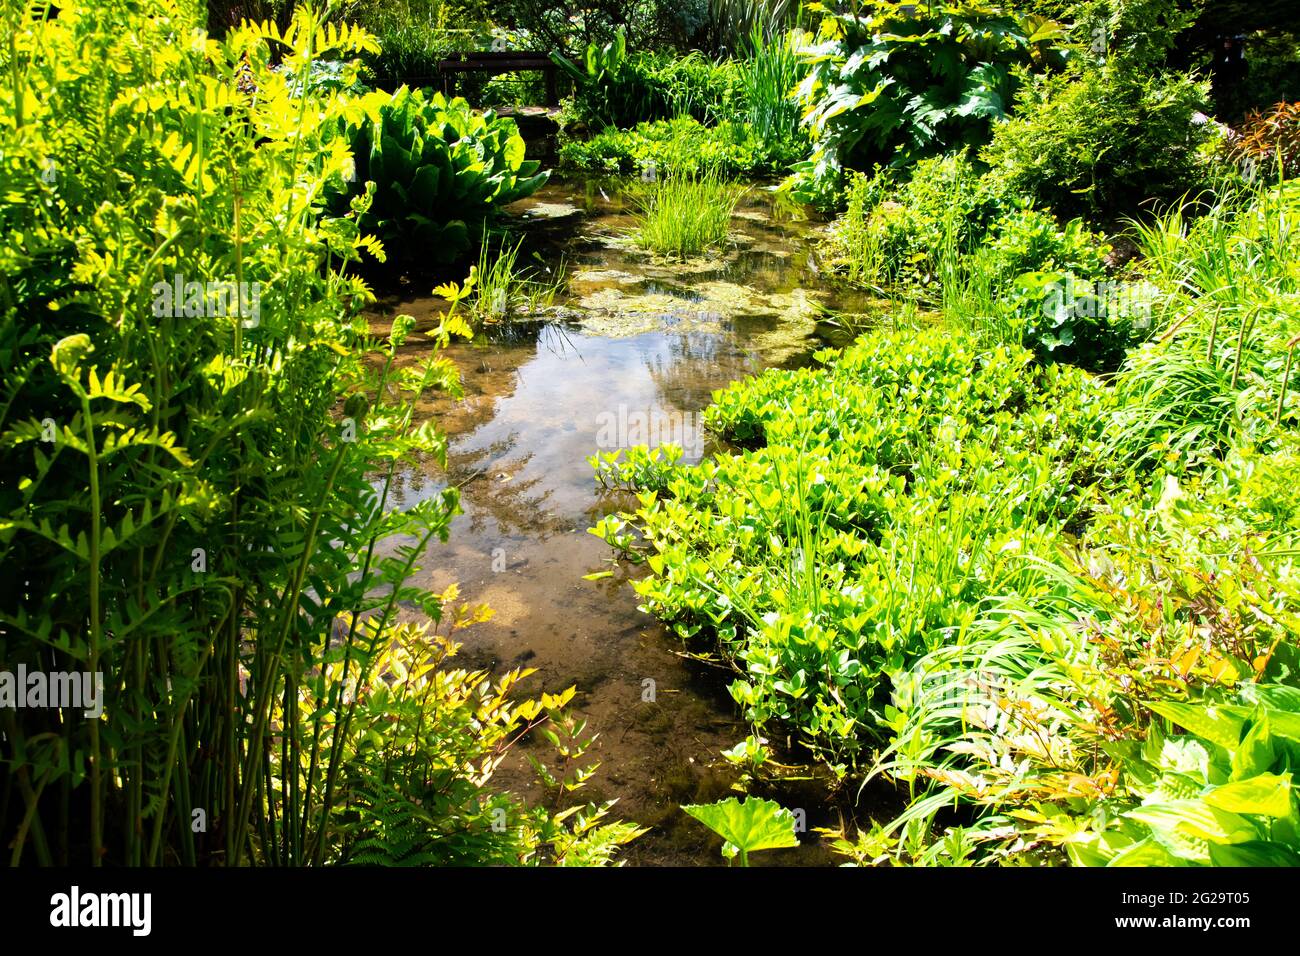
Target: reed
(684, 215)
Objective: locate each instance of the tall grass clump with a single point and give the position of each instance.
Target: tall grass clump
(683, 215)
(503, 288)
(770, 74)
(1221, 366)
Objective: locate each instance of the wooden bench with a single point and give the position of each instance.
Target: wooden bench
(496, 62)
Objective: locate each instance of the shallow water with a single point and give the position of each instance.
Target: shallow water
(630, 353)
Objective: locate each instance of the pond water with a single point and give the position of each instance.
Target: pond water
(630, 352)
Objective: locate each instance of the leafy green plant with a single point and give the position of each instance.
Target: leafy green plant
(615, 88)
(746, 826)
(1101, 140)
(671, 147)
(876, 503)
(1221, 364)
(1048, 716)
(1222, 795)
(412, 37)
(1043, 286)
(203, 438)
(897, 228)
(439, 169)
(901, 82)
(420, 757)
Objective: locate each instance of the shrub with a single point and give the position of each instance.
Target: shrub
(613, 88)
(1267, 143)
(1035, 283)
(896, 225)
(1030, 240)
(1009, 271)
(670, 147)
(1101, 141)
(1143, 712)
(412, 38)
(902, 83)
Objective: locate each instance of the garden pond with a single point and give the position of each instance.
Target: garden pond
(629, 352)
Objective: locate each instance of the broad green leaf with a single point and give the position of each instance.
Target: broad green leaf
(1195, 819)
(1214, 724)
(748, 825)
(1148, 852)
(1267, 794)
(1255, 853)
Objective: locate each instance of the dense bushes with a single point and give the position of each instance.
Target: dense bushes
(613, 88)
(895, 228)
(1141, 713)
(672, 146)
(957, 240)
(1102, 142)
(905, 82)
(688, 112)
(201, 436)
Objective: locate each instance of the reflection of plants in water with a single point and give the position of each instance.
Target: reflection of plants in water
(685, 373)
(556, 340)
(495, 491)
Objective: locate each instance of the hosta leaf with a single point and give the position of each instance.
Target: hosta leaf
(1147, 852)
(747, 825)
(1267, 794)
(1195, 819)
(1214, 724)
(1255, 853)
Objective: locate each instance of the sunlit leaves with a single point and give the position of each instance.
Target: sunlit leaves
(747, 826)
